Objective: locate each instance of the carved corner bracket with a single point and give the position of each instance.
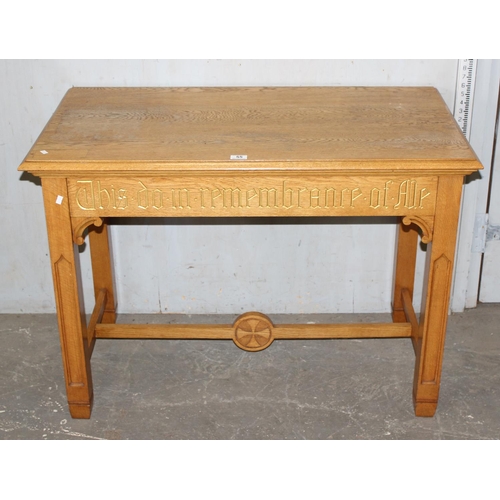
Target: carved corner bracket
(79, 226)
(426, 224)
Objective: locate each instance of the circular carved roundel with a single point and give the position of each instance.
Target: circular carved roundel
(253, 331)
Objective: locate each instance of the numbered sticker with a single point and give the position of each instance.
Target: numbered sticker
(238, 157)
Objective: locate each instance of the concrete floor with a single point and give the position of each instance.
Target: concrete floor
(315, 390)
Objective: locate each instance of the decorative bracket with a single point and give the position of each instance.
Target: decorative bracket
(426, 224)
(79, 226)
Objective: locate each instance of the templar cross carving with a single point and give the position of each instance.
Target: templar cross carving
(253, 331)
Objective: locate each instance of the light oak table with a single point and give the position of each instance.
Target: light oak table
(239, 152)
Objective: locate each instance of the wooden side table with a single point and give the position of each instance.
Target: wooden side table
(213, 152)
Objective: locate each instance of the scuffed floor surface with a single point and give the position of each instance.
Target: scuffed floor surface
(326, 389)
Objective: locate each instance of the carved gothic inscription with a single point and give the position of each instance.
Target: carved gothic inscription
(241, 196)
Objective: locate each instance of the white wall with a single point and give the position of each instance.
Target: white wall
(273, 268)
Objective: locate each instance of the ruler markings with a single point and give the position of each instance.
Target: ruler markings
(466, 77)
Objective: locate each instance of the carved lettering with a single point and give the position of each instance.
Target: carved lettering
(232, 198)
(202, 197)
(375, 198)
(386, 190)
(331, 196)
(214, 194)
(299, 192)
(85, 195)
(315, 198)
(287, 196)
(157, 199)
(250, 197)
(268, 196)
(410, 195)
(423, 196)
(345, 192)
(142, 197)
(183, 195)
(122, 199)
(180, 199)
(104, 197)
(90, 197)
(355, 194)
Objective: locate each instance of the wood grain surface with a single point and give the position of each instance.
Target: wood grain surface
(279, 128)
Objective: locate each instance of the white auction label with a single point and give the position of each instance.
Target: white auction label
(59, 200)
(238, 157)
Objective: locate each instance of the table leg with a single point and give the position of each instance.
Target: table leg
(436, 297)
(404, 273)
(68, 294)
(102, 269)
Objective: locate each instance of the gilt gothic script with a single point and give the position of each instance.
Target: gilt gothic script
(252, 196)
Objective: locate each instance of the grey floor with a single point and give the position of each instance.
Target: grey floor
(315, 390)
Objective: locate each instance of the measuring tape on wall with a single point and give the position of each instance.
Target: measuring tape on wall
(466, 78)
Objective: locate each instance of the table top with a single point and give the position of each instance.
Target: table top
(264, 129)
